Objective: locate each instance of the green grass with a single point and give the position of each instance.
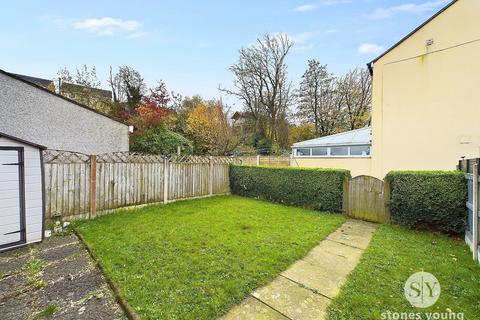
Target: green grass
(196, 259)
(33, 270)
(47, 312)
(376, 285)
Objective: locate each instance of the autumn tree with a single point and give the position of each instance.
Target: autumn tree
(153, 109)
(355, 90)
(261, 83)
(318, 99)
(208, 126)
(302, 132)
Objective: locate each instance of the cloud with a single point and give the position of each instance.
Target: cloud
(311, 7)
(305, 8)
(335, 2)
(428, 6)
(370, 48)
(108, 26)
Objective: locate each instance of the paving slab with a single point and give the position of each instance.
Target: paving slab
(293, 300)
(355, 234)
(306, 288)
(325, 281)
(335, 248)
(251, 309)
(66, 278)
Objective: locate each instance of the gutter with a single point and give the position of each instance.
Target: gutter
(370, 68)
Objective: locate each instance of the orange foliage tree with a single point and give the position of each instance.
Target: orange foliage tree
(208, 126)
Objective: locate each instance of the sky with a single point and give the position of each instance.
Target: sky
(191, 44)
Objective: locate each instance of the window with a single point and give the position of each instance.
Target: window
(339, 151)
(320, 151)
(303, 152)
(360, 150)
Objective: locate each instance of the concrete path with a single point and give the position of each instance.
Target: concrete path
(306, 288)
(55, 279)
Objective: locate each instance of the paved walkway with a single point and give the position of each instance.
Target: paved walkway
(305, 289)
(56, 278)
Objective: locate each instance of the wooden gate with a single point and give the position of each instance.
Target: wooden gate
(367, 199)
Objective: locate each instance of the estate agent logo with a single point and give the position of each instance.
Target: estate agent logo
(422, 289)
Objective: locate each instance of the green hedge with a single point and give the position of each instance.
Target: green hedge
(431, 200)
(319, 189)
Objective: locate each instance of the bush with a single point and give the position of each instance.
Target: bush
(431, 200)
(160, 140)
(319, 189)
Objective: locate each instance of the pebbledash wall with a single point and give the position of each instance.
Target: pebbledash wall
(37, 115)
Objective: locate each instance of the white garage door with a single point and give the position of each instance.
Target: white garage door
(12, 217)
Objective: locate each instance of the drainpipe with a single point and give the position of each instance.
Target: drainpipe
(370, 68)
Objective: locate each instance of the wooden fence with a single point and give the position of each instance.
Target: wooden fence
(274, 161)
(84, 186)
(366, 198)
(471, 169)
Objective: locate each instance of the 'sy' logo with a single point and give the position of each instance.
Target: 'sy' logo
(422, 289)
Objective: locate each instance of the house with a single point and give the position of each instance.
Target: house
(22, 194)
(32, 113)
(426, 93)
(97, 98)
(349, 150)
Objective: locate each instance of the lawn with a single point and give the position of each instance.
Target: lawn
(196, 259)
(376, 285)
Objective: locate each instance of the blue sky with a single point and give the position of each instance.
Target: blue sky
(190, 44)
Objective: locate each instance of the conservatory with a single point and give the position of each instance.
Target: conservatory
(347, 150)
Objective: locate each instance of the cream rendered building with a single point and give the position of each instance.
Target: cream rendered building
(426, 95)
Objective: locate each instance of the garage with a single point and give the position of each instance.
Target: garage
(22, 201)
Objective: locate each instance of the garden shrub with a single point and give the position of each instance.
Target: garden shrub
(319, 189)
(432, 200)
(160, 140)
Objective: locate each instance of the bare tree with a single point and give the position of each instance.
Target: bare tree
(127, 86)
(116, 85)
(80, 87)
(355, 90)
(261, 83)
(318, 100)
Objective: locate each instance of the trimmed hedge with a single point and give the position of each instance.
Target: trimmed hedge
(428, 200)
(318, 189)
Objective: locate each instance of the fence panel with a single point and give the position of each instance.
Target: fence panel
(366, 199)
(79, 186)
(471, 169)
(67, 184)
(274, 161)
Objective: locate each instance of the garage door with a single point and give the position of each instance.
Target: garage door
(12, 214)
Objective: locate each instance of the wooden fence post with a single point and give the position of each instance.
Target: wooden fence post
(346, 191)
(386, 197)
(93, 186)
(210, 184)
(258, 159)
(165, 180)
(475, 212)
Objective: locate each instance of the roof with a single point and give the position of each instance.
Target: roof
(410, 34)
(22, 141)
(19, 78)
(72, 87)
(38, 81)
(355, 137)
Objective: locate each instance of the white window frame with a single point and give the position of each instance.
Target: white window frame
(295, 155)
